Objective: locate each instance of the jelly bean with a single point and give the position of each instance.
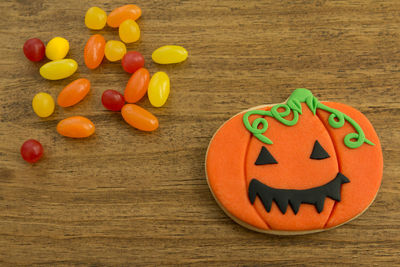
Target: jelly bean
(73, 92)
(139, 117)
(34, 49)
(158, 91)
(120, 14)
(95, 18)
(129, 31)
(132, 61)
(57, 48)
(137, 86)
(43, 105)
(31, 150)
(112, 100)
(114, 50)
(169, 54)
(76, 127)
(58, 69)
(94, 51)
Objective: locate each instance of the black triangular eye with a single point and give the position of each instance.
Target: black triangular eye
(318, 152)
(265, 157)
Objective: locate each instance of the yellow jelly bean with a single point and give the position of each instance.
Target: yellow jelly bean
(169, 54)
(57, 48)
(115, 50)
(58, 69)
(95, 18)
(43, 105)
(158, 91)
(129, 31)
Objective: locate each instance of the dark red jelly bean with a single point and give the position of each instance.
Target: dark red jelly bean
(112, 100)
(132, 61)
(31, 150)
(34, 49)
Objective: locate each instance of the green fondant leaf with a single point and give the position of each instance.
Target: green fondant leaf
(295, 105)
(312, 103)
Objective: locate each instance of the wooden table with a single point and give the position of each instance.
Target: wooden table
(123, 197)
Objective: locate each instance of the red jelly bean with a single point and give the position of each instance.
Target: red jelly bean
(132, 61)
(34, 49)
(112, 100)
(31, 150)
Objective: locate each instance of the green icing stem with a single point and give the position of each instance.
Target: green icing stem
(302, 95)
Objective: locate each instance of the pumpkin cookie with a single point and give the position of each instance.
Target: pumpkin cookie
(298, 167)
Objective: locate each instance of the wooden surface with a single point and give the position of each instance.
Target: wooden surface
(124, 197)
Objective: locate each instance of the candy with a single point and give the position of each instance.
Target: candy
(57, 48)
(58, 69)
(139, 117)
(31, 150)
(137, 85)
(112, 100)
(76, 127)
(94, 51)
(132, 61)
(34, 49)
(129, 31)
(158, 91)
(73, 92)
(114, 50)
(169, 54)
(120, 14)
(95, 18)
(43, 105)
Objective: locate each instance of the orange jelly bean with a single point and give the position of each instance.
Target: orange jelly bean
(139, 117)
(137, 85)
(94, 51)
(76, 127)
(120, 14)
(73, 92)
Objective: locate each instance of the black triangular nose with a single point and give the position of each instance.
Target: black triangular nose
(265, 157)
(318, 152)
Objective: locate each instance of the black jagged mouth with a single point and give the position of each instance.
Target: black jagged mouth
(282, 197)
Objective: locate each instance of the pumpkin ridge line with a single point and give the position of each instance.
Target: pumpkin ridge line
(339, 166)
(245, 182)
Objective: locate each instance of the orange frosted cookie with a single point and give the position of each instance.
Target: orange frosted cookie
(298, 167)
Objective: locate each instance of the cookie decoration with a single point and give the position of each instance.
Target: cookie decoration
(298, 167)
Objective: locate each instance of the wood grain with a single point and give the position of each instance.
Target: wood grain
(126, 198)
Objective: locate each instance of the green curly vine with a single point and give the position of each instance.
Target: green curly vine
(293, 104)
